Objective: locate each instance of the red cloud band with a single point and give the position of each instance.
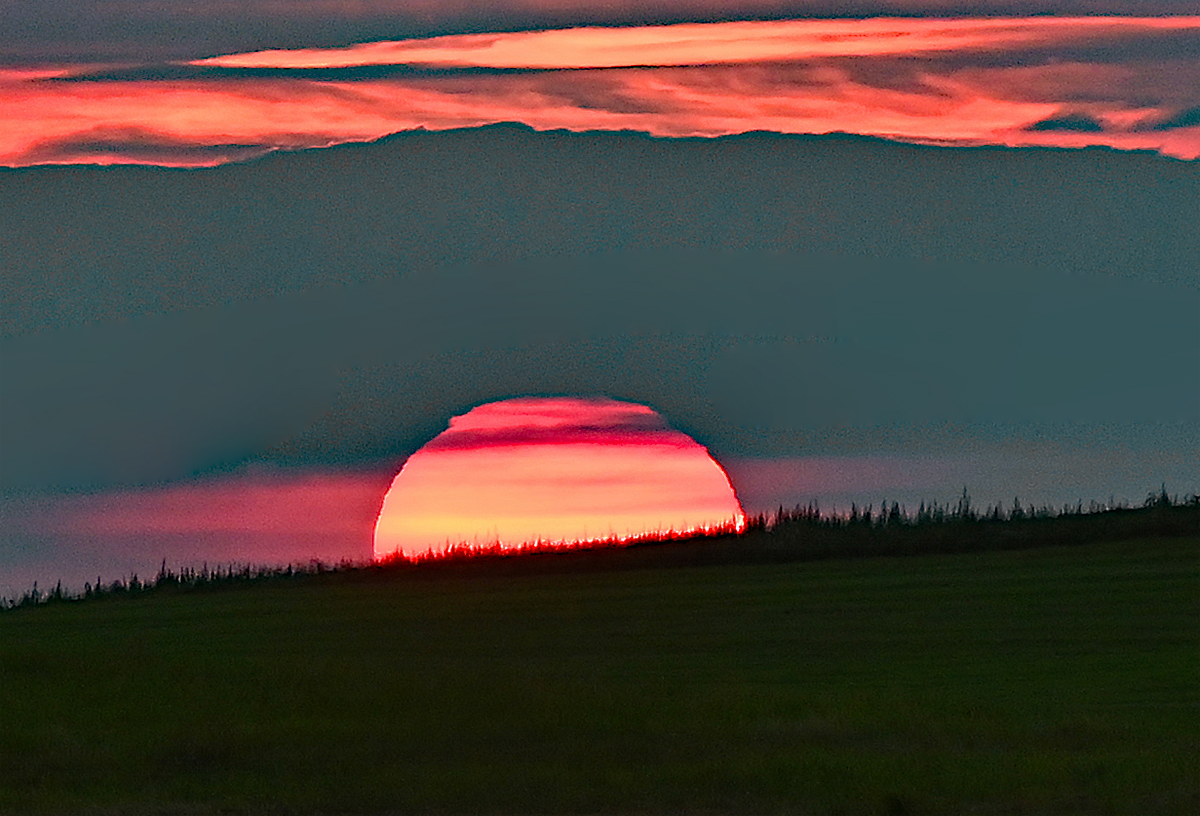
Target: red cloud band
(1128, 83)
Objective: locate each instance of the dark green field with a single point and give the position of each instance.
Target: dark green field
(1060, 680)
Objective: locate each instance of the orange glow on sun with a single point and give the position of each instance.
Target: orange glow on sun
(568, 470)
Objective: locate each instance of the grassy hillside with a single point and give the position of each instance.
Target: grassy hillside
(1056, 679)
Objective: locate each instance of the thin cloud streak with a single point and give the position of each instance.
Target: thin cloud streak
(968, 82)
(130, 31)
(715, 43)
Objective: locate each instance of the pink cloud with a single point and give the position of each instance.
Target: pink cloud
(716, 43)
(940, 81)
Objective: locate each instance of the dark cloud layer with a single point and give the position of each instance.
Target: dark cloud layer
(769, 295)
(94, 243)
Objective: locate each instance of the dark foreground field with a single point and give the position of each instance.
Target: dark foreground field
(1059, 679)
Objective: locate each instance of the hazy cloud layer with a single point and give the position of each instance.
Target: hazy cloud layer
(253, 516)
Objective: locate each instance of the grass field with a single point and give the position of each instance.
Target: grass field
(1061, 680)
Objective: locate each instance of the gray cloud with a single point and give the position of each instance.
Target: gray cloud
(1077, 122)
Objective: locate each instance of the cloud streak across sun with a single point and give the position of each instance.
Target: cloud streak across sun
(1123, 82)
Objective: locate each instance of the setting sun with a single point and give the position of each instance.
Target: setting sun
(552, 470)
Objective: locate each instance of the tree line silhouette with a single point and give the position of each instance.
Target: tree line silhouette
(801, 533)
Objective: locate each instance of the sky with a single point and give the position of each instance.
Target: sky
(856, 251)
